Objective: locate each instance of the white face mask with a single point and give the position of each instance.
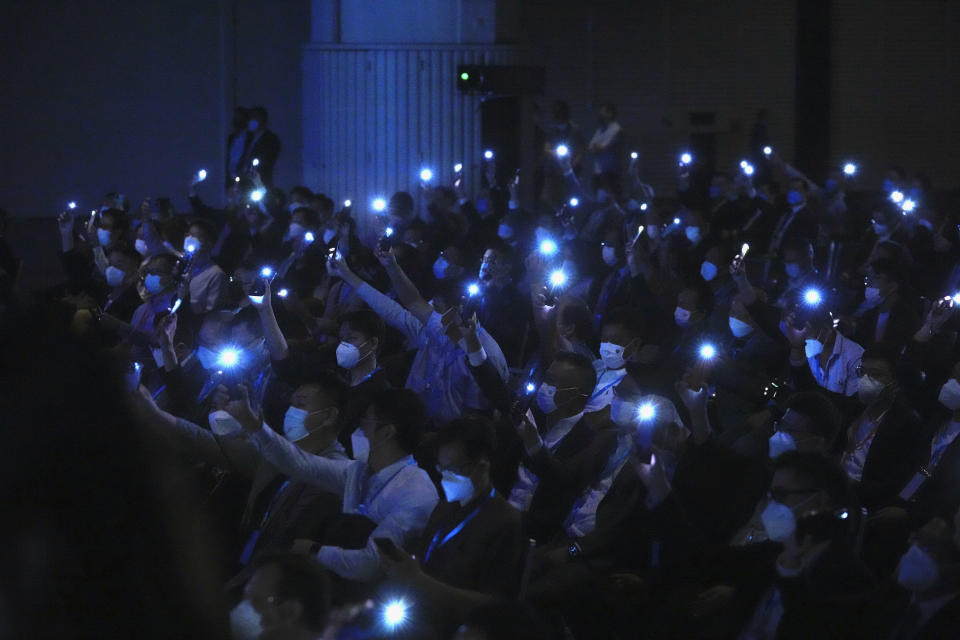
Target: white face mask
(681, 316)
(813, 348)
(114, 276)
(708, 271)
(141, 246)
(653, 231)
(253, 124)
(505, 231)
(456, 488)
(778, 521)
(693, 234)
(153, 283)
(869, 389)
(950, 394)
(880, 229)
(612, 355)
(295, 230)
(328, 235)
(440, 268)
(871, 296)
(348, 355)
(781, 442)
(104, 237)
(360, 444)
(293, 424)
(739, 328)
(622, 413)
(792, 269)
(917, 570)
(191, 244)
(246, 623)
(547, 398)
(609, 255)
(223, 424)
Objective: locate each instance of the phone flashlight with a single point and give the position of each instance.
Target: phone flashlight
(896, 196)
(767, 150)
(256, 162)
(347, 204)
(457, 168)
(748, 169)
(574, 202)
(388, 232)
(473, 289)
(812, 297)
(266, 272)
(849, 169)
(676, 221)
(634, 155)
(562, 151)
(644, 206)
(228, 357)
(176, 306)
(686, 158)
(558, 278)
(707, 351)
(257, 194)
(236, 178)
(646, 411)
(426, 175)
(308, 237)
(379, 204)
(744, 249)
(283, 293)
(531, 387)
(908, 206)
(956, 298)
(71, 205)
(255, 299)
(488, 154)
(202, 175)
(394, 613)
(639, 233)
(548, 247)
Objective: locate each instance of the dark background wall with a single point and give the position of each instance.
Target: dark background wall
(135, 95)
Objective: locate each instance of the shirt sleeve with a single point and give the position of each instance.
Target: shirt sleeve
(325, 473)
(226, 453)
(391, 312)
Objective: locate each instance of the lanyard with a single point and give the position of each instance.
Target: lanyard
(273, 502)
(615, 382)
(368, 501)
(457, 529)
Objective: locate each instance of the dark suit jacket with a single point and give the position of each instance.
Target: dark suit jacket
(902, 323)
(266, 149)
(893, 455)
(940, 494)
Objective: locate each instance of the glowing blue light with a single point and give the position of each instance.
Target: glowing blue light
(908, 206)
(748, 169)
(71, 205)
(686, 158)
(426, 175)
(676, 221)
(548, 247)
(646, 411)
(256, 299)
(812, 297)
(744, 164)
(395, 613)
(388, 231)
(767, 151)
(634, 155)
(708, 351)
(473, 289)
(266, 272)
(347, 203)
(562, 151)
(202, 174)
(457, 168)
(643, 206)
(488, 154)
(849, 169)
(228, 357)
(257, 194)
(956, 298)
(308, 237)
(574, 202)
(558, 278)
(531, 387)
(283, 293)
(897, 197)
(256, 162)
(379, 204)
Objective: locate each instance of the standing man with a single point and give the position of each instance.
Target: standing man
(262, 146)
(236, 143)
(605, 147)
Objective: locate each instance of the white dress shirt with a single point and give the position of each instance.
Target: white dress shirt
(399, 498)
(526, 485)
(206, 288)
(839, 375)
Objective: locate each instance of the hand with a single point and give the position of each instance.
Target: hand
(400, 565)
(654, 478)
(939, 313)
(142, 403)
(265, 300)
(386, 257)
(240, 409)
(471, 333)
(796, 337)
(738, 270)
(452, 325)
(337, 266)
(529, 435)
(164, 328)
(797, 554)
(692, 396)
(65, 222)
(889, 515)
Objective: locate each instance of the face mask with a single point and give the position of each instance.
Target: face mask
(207, 358)
(612, 355)
(869, 389)
(245, 622)
(950, 394)
(871, 296)
(361, 445)
(715, 191)
(792, 269)
(328, 235)
(293, 424)
(603, 196)
(253, 125)
(104, 237)
(114, 276)
(739, 328)
(693, 234)
(880, 229)
(456, 488)
(152, 283)
(888, 186)
(295, 230)
(440, 268)
(141, 246)
(348, 355)
(223, 424)
(609, 255)
(547, 398)
(191, 244)
(781, 442)
(653, 231)
(813, 348)
(681, 316)
(505, 231)
(917, 570)
(778, 521)
(830, 185)
(708, 271)
(794, 197)
(622, 413)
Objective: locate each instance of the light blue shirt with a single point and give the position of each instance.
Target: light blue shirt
(840, 374)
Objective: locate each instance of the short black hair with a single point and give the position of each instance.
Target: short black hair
(403, 201)
(625, 317)
(332, 387)
(403, 409)
(311, 216)
(586, 373)
(889, 269)
(121, 221)
(474, 432)
(300, 578)
(824, 416)
(259, 114)
(168, 260)
(302, 192)
(207, 228)
(367, 322)
(819, 472)
(577, 313)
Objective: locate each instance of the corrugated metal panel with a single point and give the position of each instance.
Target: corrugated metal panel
(373, 116)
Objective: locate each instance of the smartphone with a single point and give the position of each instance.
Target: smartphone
(176, 306)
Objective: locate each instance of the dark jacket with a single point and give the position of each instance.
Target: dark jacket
(893, 455)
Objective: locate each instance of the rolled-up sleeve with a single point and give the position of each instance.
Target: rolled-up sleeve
(391, 312)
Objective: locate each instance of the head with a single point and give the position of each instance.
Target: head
(300, 196)
(606, 112)
(574, 321)
(201, 234)
(567, 385)
(496, 265)
(612, 247)
(258, 119)
(796, 193)
(400, 208)
(810, 424)
(720, 186)
(112, 226)
(741, 323)
(240, 117)
(314, 409)
(214, 331)
(619, 338)
(393, 421)
(465, 448)
(877, 373)
(715, 261)
(883, 278)
(803, 485)
(156, 273)
(287, 594)
(124, 265)
(693, 307)
(797, 255)
(451, 264)
(929, 565)
(361, 334)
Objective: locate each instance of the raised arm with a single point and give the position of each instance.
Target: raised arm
(275, 340)
(407, 292)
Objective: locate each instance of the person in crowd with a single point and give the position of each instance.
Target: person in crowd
(261, 147)
(605, 146)
(206, 282)
(236, 142)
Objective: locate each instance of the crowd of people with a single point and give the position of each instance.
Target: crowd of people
(726, 411)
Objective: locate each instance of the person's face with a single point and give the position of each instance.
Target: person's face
(790, 489)
(125, 264)
(879, 370)
(321, 414)
(881, 282)
(299, 218)
(211, 333)
(620, 336)
(739, 311)
(364, 344)
(197, 232)
(564, 378)
(108, 223)
(687, 299)
(800, 428)
(453, 457)
(791, 256)
(377, 429)
(261, 591)
(493, 266)
(614, 239)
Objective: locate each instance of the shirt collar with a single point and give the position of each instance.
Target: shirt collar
(393, 468)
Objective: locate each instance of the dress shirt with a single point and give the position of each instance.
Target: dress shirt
(607, 380)
(942, 439)
(439, 374)
(399, 498)
(206, 289)
(583, 517)
(526, 485)
(840, 374)
(857, 449)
